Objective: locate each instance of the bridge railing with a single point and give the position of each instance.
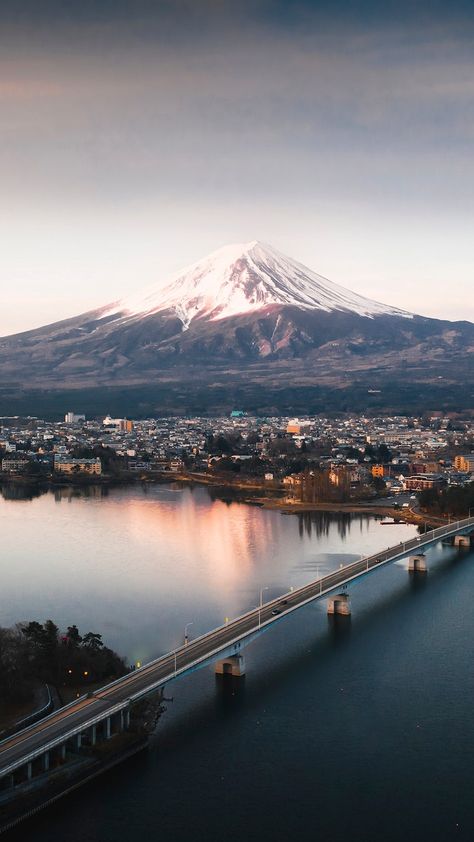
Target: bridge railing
(62, 738)
(371, 561)
(325, 583)
(45, 720)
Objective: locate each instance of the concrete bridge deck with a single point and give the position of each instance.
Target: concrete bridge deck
(34, 741)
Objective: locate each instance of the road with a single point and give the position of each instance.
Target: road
(59, 726)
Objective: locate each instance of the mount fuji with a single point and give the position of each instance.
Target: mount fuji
(245, 278)
(245, 325)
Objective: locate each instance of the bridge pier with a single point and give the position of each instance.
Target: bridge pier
(462, 541)
(340, 603)
(233, 665)
(417, 563)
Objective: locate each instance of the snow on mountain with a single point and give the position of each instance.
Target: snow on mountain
(244, 278)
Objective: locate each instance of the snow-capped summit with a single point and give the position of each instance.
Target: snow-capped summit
(244, 278)
(244, 325)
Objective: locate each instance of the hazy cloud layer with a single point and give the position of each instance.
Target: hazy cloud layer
(340, 133)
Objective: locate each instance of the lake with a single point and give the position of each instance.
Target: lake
(358, 728)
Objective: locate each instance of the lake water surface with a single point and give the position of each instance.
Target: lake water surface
(361, 729)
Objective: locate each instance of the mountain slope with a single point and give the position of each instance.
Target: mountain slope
(245, 317)
(245, 278)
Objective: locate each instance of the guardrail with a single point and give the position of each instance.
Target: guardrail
(37, 714)
(57, 741)
(45, 719)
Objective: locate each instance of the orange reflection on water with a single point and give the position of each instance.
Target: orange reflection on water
(225, 540)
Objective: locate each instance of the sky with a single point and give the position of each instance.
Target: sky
(136, 137)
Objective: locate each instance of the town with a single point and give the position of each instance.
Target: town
(307, 459)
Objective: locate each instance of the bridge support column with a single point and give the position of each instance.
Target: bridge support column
(417, 563)
(62, 751)
(233, 665)
(339, 604)
(93, 735)
(124, 719)
(108, 730)
(78, 741)
(29, 771)
(45, 761)
(462, 541)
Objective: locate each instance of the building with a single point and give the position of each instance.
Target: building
(424, 468)
(72, 418)
(68, 465)
(380, 471)
(123, 425)
(464, 464)
(14, 464)
(422, 482)
(296, 427)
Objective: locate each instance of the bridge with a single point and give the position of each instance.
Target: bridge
(99, 715)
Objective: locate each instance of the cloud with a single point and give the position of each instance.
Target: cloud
(223, 116)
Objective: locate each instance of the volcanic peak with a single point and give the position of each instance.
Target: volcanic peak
(243, 278)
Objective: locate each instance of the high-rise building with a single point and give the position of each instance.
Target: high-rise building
(73, 418)
(464, 463)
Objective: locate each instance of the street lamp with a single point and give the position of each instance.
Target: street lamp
(260, 604)
(186, 640)
(261, 594)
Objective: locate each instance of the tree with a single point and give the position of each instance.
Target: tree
(74, 639)
(33, 469)
(384, 454)
(34, 631)
(33, 653)
(93, 641)
(51, 633)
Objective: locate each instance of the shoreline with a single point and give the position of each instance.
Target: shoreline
(277, 501)
(265, 496)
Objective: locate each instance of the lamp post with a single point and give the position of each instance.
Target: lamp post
(260, 605)
(186, 640)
